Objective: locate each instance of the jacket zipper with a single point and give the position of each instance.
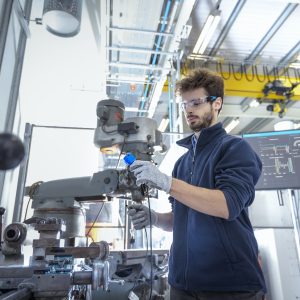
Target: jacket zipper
(187, 243)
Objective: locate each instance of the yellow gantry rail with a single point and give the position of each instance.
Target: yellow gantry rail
(252, 85)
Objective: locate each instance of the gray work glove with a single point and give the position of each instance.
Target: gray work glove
(140, 216)
(147, 173)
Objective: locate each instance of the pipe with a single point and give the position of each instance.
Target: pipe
(173, 45)
(158, 43)
(170, 104)
(139, 50)
(140, 31)
(138, 66)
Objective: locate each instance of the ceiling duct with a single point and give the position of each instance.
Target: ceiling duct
(62, 17)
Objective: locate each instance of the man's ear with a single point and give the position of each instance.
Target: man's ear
(218, 103)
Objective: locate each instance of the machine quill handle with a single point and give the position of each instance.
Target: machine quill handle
(129, 158)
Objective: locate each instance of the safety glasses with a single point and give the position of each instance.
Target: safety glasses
(196, 103)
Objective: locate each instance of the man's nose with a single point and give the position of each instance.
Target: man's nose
(188, 109)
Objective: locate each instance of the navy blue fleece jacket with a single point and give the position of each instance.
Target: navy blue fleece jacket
(210, 253)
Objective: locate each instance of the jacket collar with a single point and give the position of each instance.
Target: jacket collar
(207, 135)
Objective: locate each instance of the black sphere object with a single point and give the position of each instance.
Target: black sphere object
(12, 151)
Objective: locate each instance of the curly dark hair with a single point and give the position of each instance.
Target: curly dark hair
(202, 78)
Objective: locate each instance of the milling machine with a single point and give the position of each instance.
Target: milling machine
(61, 265)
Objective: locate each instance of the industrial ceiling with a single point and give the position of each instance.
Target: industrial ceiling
(143, 47)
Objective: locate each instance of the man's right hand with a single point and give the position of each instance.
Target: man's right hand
(140, 216)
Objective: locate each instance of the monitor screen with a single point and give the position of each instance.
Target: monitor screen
(279, 152)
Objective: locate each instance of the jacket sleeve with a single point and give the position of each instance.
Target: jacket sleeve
(236, 174)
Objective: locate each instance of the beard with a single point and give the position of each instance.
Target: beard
(202, 122)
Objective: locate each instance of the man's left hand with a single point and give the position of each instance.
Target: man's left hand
(147, 173)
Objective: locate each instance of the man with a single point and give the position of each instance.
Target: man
(214, 254)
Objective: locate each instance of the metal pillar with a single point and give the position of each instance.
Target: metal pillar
(14, 92)
(22, 174)
(4, 24)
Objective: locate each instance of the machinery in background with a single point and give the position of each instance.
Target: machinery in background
(61, 265)
(54, 271)
(136, 267)
(278, 88)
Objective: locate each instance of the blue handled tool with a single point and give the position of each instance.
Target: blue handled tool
(129, 158)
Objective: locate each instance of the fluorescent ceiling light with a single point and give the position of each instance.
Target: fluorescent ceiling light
(284, 125)
(197, 57)
(254, 103)
(163, 124)
(207, 32)
(134, 109)
(155, 97)
(295, 65)
(232, 125)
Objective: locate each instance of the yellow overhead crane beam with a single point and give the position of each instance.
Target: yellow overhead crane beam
(252, 85)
